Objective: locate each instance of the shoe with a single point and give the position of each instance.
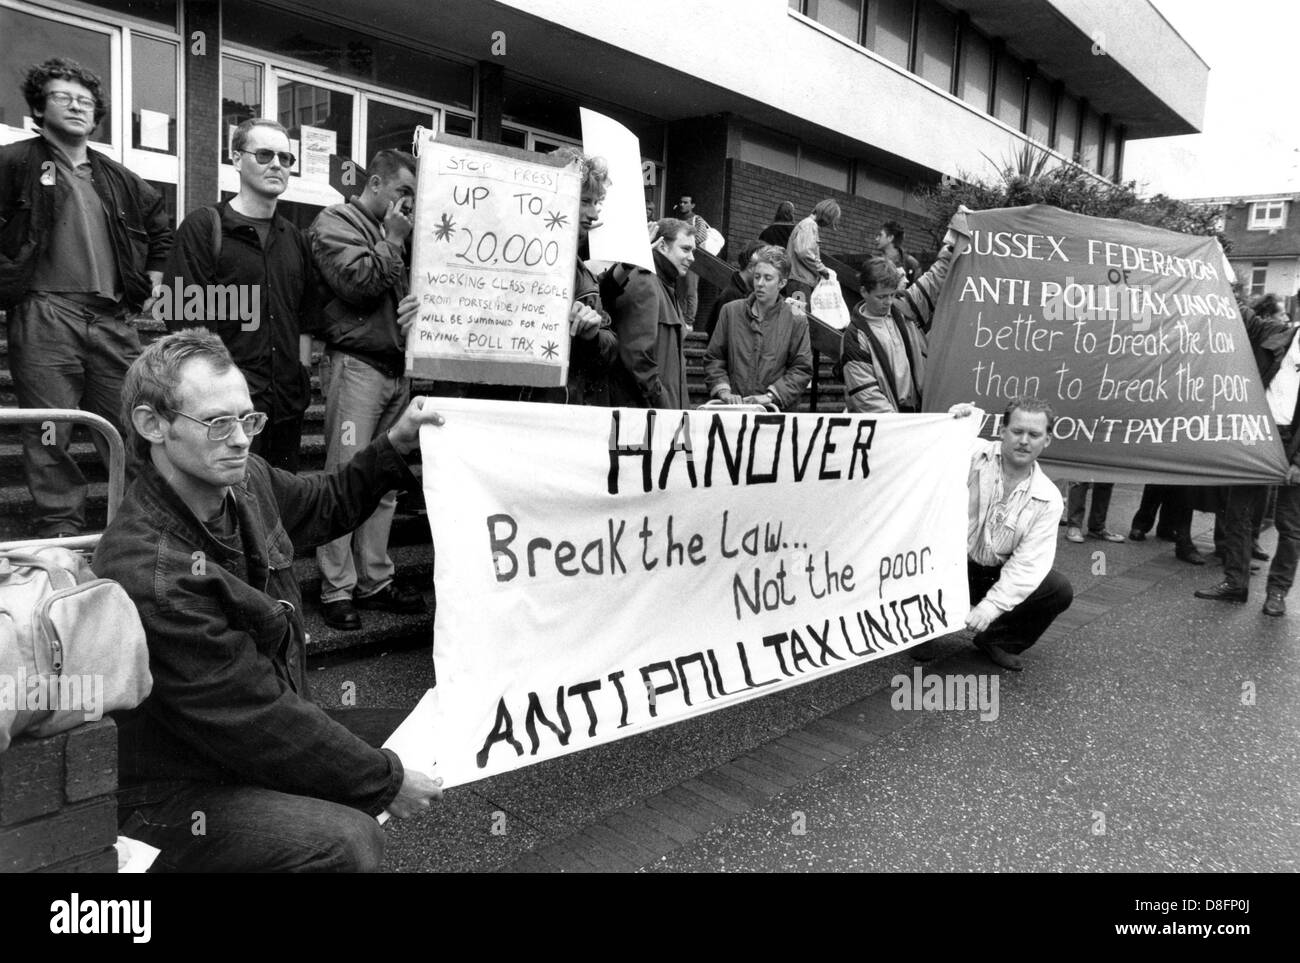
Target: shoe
(392, 599)
(340, 615)
(1072, 534)
(999, 656)
(1223, 592)
(1275, 604)
(1106, 535)
(1165, 535)
(1189, 555)
(1136, 535)
(1258, 554)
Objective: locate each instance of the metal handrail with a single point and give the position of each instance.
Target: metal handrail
(116, 468)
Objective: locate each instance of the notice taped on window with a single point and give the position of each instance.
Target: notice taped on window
(492, 262)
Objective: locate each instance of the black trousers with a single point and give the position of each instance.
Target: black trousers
(1174, 503)
(1020, 628)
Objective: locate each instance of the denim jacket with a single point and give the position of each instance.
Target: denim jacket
(227, 650)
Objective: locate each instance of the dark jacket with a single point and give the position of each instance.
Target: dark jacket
(753, 356)
(290, 296)
(1270, 340)
(870, 382)
(777, 233)
(590, 359)
(230, 702)
(367, 277)
(30, 200)
(737, 289)
(651, 367)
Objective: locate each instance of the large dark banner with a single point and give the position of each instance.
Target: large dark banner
(1131, 332)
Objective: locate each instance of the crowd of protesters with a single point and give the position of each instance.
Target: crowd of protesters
(87, 246)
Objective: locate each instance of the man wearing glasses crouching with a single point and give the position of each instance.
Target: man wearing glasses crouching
(228, 765)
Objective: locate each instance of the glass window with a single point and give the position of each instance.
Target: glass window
(26, 39)
(1108, 152)
(1114, 149)
(1010, 96)
(1040, 110)
(153, 92)
(976, 62)
(458, 124)
(514, 138)
(1258, 277)
(156, 11)
(824, 169)
(1067, 126)
(168, 192)
(1267, 215)
(842, 16)
(936, 33)
(768, 150)
(1090, 145)
(392, 126)
(320, 123)
(241, 97)
(889, 29)
(541, 108)
(341, 51)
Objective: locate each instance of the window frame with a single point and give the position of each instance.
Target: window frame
(149, 165)
(1257, 223)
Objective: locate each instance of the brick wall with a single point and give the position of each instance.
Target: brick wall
(58, 808)
(199, 145)
(755, 191)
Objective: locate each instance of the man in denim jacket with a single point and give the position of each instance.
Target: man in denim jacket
(229, 765)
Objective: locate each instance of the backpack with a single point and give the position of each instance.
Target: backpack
(71, 645)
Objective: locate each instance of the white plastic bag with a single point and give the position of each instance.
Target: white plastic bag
(827, 304)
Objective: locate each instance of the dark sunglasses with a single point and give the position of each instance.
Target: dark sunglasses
(263, 157)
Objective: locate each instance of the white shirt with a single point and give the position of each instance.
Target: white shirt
(1282, 389)
(1017, 532)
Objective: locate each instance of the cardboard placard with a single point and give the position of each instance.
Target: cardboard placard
(493, 259)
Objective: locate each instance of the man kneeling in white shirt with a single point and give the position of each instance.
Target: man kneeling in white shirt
(1013, 510)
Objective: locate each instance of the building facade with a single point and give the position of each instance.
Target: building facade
(1263, 234)
(741, 104)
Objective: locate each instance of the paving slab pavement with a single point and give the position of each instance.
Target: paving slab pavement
(1127, 744)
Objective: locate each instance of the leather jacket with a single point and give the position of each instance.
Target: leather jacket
(31, 198)
(227, 649)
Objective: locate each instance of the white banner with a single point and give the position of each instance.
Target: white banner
(602, 572)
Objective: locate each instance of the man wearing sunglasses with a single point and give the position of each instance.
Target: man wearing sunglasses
(83, 241)
(266, 262)
(204, 545)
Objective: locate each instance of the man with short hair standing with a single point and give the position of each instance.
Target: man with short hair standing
(1013, 508)
(690, 280)
(361, 251)
(268, 263)
(84, 243)
(650, 371)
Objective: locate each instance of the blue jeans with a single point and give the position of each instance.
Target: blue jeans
(213, 828)
(64, 354)
(360, 403)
